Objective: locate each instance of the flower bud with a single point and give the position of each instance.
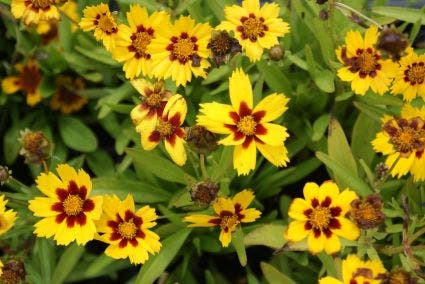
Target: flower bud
(13, 272)
(201, 140)
(34, 146)
(392, 42)
(324, 14)
(381, 170)
(367, 212)
(5, 174)
(204, 192)
(276, 52)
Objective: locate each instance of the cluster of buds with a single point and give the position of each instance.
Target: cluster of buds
(204, 192)
(223, 46)
(367, 212)
(13, 272)
(34, 147)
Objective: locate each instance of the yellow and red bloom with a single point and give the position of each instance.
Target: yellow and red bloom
(66, 98)
(155, 97)
(127, 230)
(181, 49)
(356, 271)
(131, 48)
(410, 79)
(68, 210)
(364, 67)
(320, 217)
(255, 28)
(7, 217)
(402, 139)
(104, 24)
(229, 213)
(168, 128)
(248, 127)
(28, 81)
(34, 11)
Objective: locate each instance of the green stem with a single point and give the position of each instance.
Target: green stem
(343, 7)
(416, 235)
(203, 168)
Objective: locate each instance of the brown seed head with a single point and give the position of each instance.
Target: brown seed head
(223, 46)
(204, 192)
(392, 42)
(34, 146)
(367, 212)
(201, 140)
(13, 272)
(397, 276)
(4, 174)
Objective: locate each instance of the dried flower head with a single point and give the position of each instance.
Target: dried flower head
(324, 14)
(393, 42)
(367, 212)
(204, 192)
(397, 276)
(223, 46)
(201, 140)
(381, 169)
(5, 174)
(276, 52)
(34, 146)
(13, 272)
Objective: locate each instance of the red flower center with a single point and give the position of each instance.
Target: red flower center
(366, 62)
(106, 23)
(252, 27)
(415, 73)
(72, 205)
(126, 229)
(183, 48)
(140, 40)
(322, 217)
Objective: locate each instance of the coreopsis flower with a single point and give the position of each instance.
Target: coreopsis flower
(127, 230)
(131, 48)
(248, 127)
(7, 217)
(168, 128)
(28, 81)
(254, 27)
(68, 210)
(229, 213)
(364, 67)
(34, 146)
(354, 270)
(180, 50)
(402, 140)
(1, 268)
(154, 98)
(104, 24)
(33, 11)
(410, 79)
(320, 217)
(66, 98)
(222, 46)
(367, 212)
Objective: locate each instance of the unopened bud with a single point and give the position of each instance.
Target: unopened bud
(324, 14)
(392, 42)
(204, 192)
(5, 174)
(201, 140)
(381, 170)
(34, 146)
(13, 272)
(276, 52)
(367, 212)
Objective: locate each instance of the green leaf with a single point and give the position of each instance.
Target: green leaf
(364, 132)
(99, 54)
(269, 235)
(405, 14)
(273, 275)
(352, 181)
(76, 135)
(45, 253)
(161, 167)
(373, 112)
(339, 150)
(11, 145)
(275, 78)
(323, 78)
(217, 74)
(67, 262)
(328, 263)
(319, 126)
(47, 87)
(156, 264)
(100, 163)
(141, 191)
(238, 244)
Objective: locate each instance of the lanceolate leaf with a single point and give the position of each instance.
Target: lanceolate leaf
(273, 275)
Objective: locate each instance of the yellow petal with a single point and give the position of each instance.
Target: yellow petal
(252, 6)
(231, 140)
(296, 231)
(297, 208)
(244, 158)
(148, 143)
(240, 89)
(223, 204)
(212, 125)
(273, 105)
(217, 112)
(332, 245)
(10, 84)
(66, 173)
(225, 238)
(253, 50)
(348, 229)
(200, 220)
(403, 165)
(244, 198)
(277, 155)
(346, 75)
(316, 245)
(250, 215)
(343, 200)
(275, 134)
(46, 227)
(330, 280)
(48, 183)
(381, 144)
(177, 151)
(176, 105)
(311, 190)
(328, 189)
(371, 36)
(418, 169)
(42, 206)
(85, 233)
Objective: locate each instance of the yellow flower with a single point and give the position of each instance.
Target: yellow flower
(364, 67)
(145, 115)
(229, 213)
(249, 128)
(7, 217)
(28, 80)
(100, 19)
(354, 270)
(33, 11)
(320, 217)
(48, 28)
(402, 139)
(168, 128)
(132, 47)
(127, 230)
(1, 268)
(181, 49)
(255, 28)
(410, 79)
(66, 98)
(68, 211)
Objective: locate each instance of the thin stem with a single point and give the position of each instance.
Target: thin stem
(343, 7)
(45, 167)
(416, 235)
(203, 168)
